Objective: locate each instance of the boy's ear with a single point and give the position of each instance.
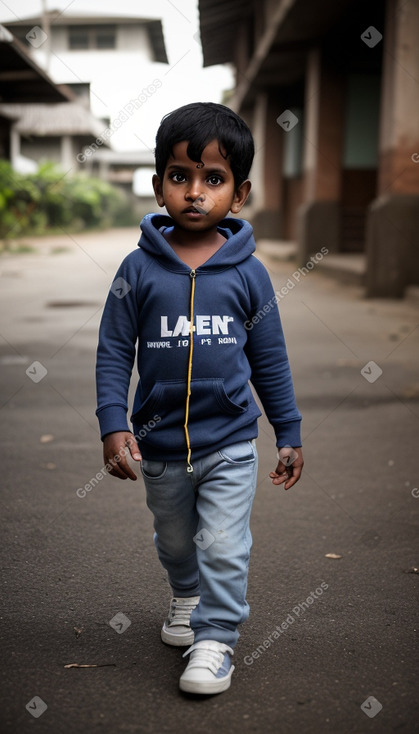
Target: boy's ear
(158, 190)
(240, 196)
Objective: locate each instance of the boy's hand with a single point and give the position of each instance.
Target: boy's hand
(290, 466)
(116, 447)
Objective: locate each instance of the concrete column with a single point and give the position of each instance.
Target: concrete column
(257, 174)
(267, 169)
(14, 147)
(319, 216)
(67, 158)
(393, 218)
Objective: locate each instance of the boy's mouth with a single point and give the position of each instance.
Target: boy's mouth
(193, 210)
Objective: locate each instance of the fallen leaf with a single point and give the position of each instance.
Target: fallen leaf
(89, 665)
(332, 555)
(410, 392)
(46, 438)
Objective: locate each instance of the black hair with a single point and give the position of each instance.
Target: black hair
(199, 123)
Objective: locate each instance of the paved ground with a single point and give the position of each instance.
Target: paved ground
(71, 564)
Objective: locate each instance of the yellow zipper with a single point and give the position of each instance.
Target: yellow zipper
(189, 467)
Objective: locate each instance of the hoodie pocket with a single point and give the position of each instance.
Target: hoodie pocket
(226, 404)
(148, 408)
(167, 399)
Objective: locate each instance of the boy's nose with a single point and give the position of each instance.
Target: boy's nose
(195, 192)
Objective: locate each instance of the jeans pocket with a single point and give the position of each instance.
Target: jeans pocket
(243, 452)
(153, 469)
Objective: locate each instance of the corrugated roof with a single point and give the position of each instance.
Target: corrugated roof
(21, 79)
(218, 26)
(279, 50)
(53, 119)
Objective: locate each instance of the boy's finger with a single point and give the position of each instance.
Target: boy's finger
(123, 462)
(116, 469)
(129, 472)
(281, 473)
(122, 470)
(119, 464)
(296, 474)
(133, 448)
(283, 470)
(276, 479)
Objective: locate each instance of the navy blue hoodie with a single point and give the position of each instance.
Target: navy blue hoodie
(149, 306)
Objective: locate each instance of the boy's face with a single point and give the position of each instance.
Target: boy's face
(197, 196)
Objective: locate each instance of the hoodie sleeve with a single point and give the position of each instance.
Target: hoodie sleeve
(267, 355)
(116, 349)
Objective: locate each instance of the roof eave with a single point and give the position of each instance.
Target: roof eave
(38, 85)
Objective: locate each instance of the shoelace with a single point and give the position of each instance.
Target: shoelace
(206, 657)
(180, 612)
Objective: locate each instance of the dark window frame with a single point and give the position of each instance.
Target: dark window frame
(97, 37)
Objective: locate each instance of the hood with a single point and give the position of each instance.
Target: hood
(239, 245)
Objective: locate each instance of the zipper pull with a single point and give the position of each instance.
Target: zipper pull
(193, 278)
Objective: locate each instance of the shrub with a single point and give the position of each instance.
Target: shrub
(19, 199)
(36, 203)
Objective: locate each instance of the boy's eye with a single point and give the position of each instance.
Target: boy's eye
(214, 180)
(177, 177)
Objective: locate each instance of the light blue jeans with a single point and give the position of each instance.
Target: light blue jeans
(202, 533)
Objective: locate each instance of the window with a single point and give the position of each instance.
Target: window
(88, 37)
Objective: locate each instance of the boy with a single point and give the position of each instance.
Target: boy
(188, 297)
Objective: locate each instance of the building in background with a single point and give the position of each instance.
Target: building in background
(80, 50)
(21, 81)
(75, 46)
(50, 132)
(331, 93)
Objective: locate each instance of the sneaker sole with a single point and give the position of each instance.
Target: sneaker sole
(177, 640)
(207, 687)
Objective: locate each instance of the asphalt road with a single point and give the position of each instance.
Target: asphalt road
(330, 643)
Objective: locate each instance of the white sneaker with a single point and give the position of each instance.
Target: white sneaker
(177, 628)
(209, 669)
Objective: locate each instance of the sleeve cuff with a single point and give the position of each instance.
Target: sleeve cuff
(288, 434)
(112, 418)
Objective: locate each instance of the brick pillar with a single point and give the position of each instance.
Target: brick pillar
(274, 179)
(399, 124)
(319, 216)
(393, 218)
